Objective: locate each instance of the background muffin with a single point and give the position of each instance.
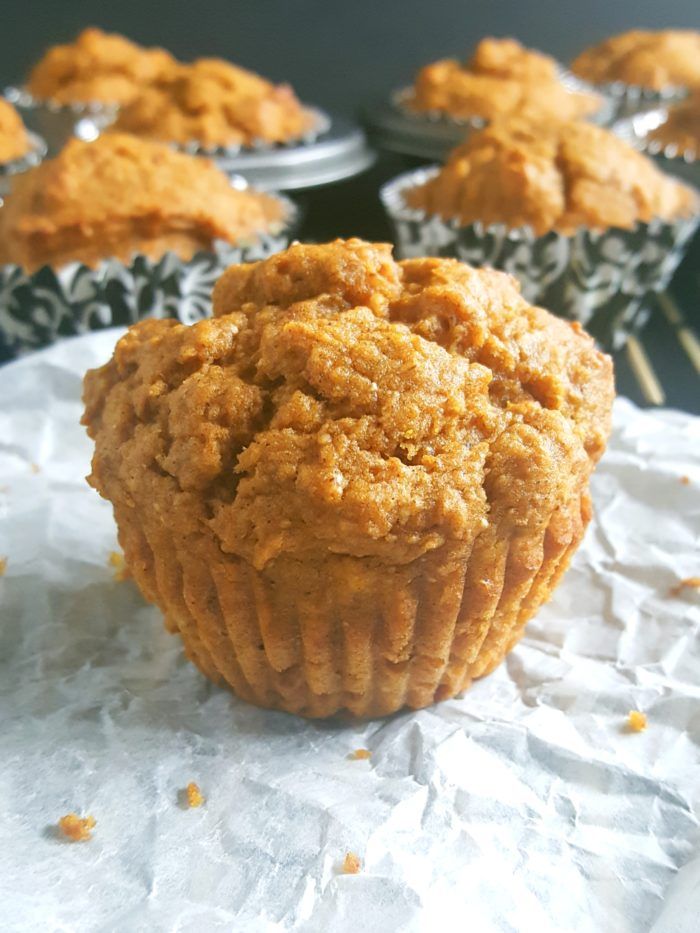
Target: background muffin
(556, 176)
(655, 60)
(354, 486)
(681, 128)
(119, 196)
(501, 78)
(14, 139)
(97, 66)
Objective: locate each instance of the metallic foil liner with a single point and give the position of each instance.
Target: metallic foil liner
(30, 159)
(637, 130)
(630, 99)
(603, 279)
(39, 308)
(57, 122)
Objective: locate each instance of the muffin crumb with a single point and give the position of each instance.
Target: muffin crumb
(121, 571)
(77, 828)
(687, 583)
(35, 468)
(193, 795)
(685, 480)
(636, 721)
(360, 754)
(351, 864)
(3, 566)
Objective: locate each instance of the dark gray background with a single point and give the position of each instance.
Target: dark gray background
(336, 54)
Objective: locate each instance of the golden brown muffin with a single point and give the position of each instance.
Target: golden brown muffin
(501, 78)
(551, 176)
(641, 57)
(97, 66)
(215, 103)
(353, 487)
(682, 127)
(14, 141)
(118, 196)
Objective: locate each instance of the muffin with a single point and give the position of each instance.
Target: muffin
(589, 225)
(555, 176)
(647, 59)
(213, 103)
(14, 139)
(120, 196)
(681, 128)
(501, 78)
(352, 488)
(97, 67)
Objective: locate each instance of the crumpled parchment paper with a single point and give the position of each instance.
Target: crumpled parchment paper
(525, 805)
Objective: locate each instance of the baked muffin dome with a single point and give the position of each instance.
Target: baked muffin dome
(97, 66)
(353, 486)
(501, 78)
(118, 196)
(14, 141)
(656, 60)
(551, 176)
(682, 126)
(215, 103)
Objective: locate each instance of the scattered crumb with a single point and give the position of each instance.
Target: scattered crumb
(636, 721)
(360, 754)
(3, 566)
(77, 828)
(193, 795)
(4, 488)
(121, 571)
(35, 468)
(685, 480)
(351, 864)
(684, 584)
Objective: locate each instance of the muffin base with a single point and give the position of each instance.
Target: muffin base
(348, 634)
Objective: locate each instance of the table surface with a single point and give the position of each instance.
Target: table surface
(658, 367)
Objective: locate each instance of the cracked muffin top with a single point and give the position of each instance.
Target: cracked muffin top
(682, 126)
(215, 103)
(118, 196)
(502, 77)
(341, 402)
(645, 58)
(14, 141)
(552, 176)
(97, 66)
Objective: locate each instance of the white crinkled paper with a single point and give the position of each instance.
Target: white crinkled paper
(523, 806)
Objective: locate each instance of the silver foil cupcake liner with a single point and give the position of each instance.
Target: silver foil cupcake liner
(57, 122)
(637, 130)
(627, 100)
(603, 279)
(41, 307)
(37, 151)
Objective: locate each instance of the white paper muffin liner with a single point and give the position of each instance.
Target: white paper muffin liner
(41, 307)
(37, 151)
(603, 279)
(56, 122)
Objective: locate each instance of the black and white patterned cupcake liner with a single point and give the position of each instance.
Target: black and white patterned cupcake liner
(39, 308)
(603, 279)
(36, 153)
(57, 122)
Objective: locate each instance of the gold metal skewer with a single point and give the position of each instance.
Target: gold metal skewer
(686, 337)
(644, 372)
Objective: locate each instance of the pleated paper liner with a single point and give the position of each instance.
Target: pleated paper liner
(37, 151)
(602, 279)
(349, 634)
(39, 308)
(57, 122)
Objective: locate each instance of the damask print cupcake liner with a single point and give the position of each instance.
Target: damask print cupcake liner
(39, 308)
(602, 279)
